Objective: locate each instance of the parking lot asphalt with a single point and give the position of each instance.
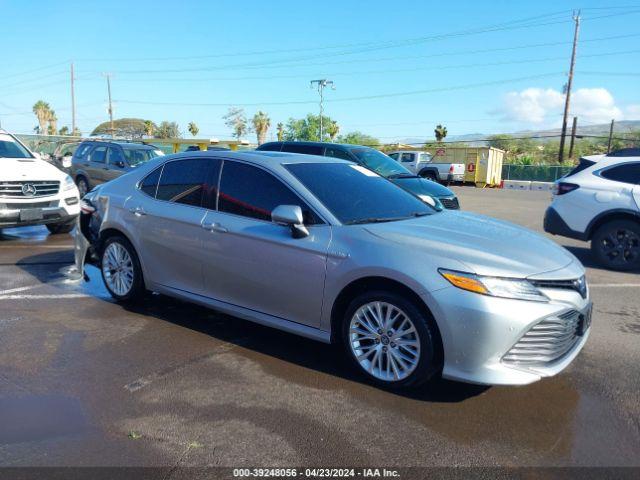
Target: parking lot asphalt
(87, 382)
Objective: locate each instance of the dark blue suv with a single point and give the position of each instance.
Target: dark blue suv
(373, 160)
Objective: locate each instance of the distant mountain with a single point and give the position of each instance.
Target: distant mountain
(476, 139)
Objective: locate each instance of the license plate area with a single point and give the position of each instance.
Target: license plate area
(584, 321)
(30, 214)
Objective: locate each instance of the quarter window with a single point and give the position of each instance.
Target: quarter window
(82, 150)
(625, 173)
(98, 155)
(251, 192)
(150, 183)
(187, 182)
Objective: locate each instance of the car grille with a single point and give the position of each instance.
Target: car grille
(547, 340)
(42, 189)
(20, 206)
(450, 203)
(579, 285)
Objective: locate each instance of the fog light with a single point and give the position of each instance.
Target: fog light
(71, 200)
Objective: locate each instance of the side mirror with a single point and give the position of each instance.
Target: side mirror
(120, 164)
(291, 216)
(66, 161)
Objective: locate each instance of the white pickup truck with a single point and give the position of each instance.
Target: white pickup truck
(421, 164)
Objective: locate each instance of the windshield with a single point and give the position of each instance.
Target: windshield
(10, 148)
(354, 194)
(138, 156)
(379, 162)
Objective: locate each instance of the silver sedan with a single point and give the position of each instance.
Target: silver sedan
(331, 251)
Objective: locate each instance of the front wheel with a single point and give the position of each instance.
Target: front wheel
(121, 270)
(56, 228)
(390, 339)
(616, 245)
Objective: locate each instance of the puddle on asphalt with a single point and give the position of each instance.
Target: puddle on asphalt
(39, 417)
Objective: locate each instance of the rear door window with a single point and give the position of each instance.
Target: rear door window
(98, 155)
(251, 192)
(625, 173)
(189, 181)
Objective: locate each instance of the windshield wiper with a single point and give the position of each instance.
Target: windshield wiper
(374, 220)
(403, 175)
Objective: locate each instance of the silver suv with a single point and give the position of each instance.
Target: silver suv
(329, 250)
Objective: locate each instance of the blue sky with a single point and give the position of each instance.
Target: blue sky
(399, 67)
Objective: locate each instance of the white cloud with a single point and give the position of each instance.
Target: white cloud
(543, 107)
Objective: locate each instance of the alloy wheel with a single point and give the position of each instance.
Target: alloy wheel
(384, 341)
(621, 246)
(117, 268)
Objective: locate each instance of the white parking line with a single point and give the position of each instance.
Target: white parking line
(18, 289)
(45, 296)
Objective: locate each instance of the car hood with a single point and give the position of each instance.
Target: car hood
(421, 186)
(23, 169)
(486, 246)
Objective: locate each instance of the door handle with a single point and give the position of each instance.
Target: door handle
(214, 227)
(138, 211)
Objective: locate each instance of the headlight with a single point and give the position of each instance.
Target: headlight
(68, 183)
(432, 201)
(519, 289)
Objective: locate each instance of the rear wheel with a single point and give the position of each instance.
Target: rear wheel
(429, 176)
(121, 270)
(390, 339)
(64, 227)
(616, 245)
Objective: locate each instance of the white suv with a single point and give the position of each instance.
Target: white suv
(34, 192)
(599, 200)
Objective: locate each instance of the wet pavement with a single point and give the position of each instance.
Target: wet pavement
(85, 381)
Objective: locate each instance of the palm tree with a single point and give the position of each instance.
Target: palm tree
(193, 128)
(261, 123)
(42, 111)
(149, 128)
(441, 132)
(333, 129)
(280, 129)
(53, 123)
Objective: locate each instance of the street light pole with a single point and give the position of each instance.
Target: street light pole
(322, 83)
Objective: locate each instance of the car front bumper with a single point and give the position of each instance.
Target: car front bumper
(57, 211)
(499, 341)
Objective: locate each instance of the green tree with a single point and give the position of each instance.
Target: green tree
(168, 130)
(149, 128)
(261, 123)
(193, 128)
(333, 129)
(52, 128)
(236, 120)
(123, 127)
(280, 130)
(501, 141)
(359, 138)
(440, 132)
(306, 129)
(64, 131)
(42, 110)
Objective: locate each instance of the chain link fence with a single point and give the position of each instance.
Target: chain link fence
(534, 173)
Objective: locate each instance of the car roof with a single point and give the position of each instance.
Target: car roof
(258, 157)
(345, 146)
(122, 143)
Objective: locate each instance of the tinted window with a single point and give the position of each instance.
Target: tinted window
(379, 162)
(270, 147)
(98, 155)
(394, 155)
(82, 150)
(150, 183)
(408, 157)
(337, 153)
(356, 195)
(187, 181)
(626, 173)
(306, 149)
(115, 156)
(251, 192)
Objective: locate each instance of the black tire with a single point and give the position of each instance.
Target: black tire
(83, 185)
(56, 228)
(428, 363)
(616, 245)
(429, 176)
(137, 290)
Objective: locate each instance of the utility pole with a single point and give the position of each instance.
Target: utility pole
(610, 137)
(567, 100)
(573, 136)
(108, 75)
(322, 83)
(73, 103)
